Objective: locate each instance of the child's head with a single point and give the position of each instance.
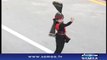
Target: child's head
(59, 16)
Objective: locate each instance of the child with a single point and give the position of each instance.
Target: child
(61, 36)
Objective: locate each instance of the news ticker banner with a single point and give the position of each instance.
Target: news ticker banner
(53, 56)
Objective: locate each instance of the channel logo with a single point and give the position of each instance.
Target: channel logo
(89, 57)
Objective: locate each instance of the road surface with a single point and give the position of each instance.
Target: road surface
(33, 19)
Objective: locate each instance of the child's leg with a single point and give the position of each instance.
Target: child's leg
(59, 44)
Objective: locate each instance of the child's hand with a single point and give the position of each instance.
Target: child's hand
(72, 19)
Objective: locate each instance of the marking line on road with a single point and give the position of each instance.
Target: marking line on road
(26, 39)
(99, 2)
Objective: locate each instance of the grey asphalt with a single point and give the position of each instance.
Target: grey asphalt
(33, 19)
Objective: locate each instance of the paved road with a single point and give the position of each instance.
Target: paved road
(33, 19)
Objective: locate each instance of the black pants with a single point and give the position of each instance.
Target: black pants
(59, 43)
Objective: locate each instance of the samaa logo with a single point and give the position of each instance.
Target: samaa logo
(89, 57)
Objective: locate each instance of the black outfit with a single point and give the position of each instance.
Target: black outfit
(53, 26)
(61, 37)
